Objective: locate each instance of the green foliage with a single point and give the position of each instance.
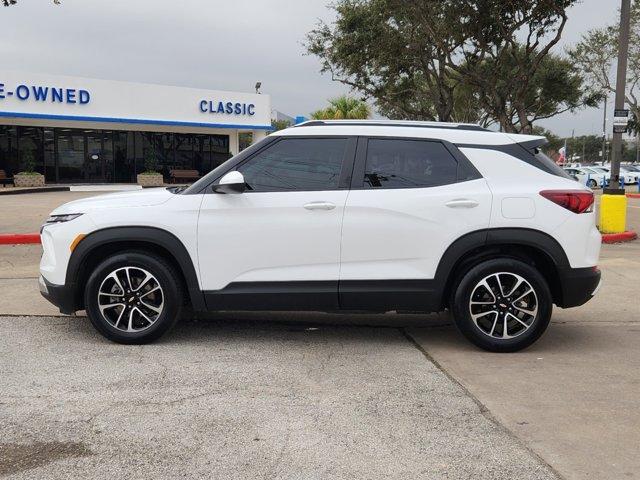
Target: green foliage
(452, 60)
(596, 54)
(343, 107)
(554, 87)
(150, 161)
(555, 142)
(29, 161)
(280, 124)
(244, 140)
(587, 147)
(629, 151)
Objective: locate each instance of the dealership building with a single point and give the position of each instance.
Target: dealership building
(81, 130)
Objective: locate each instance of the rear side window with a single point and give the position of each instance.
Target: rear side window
(393, 163)
(528, 152)
(296, 164)
(549, 165)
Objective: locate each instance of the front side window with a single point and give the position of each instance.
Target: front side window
(393, 163)
(296, 164)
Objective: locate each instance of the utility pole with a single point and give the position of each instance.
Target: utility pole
(623, 49)
(604, 132)
(613, 203)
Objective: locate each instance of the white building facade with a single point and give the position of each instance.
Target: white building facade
(82, 130)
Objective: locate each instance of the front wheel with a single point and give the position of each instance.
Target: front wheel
(592, 183)
(133, 297)
(502, 305)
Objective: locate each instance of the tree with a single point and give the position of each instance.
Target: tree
(387, 50)
(343, 107)
(554, 141)
(554, 87)
(150, 161)
(587, 147)
(448, 59)
(279, 124)
(596, 53)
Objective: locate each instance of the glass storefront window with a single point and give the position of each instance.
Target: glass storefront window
(30, 148)
(184, 151)
(49, 156)
(219, 150)
(70, 154)
(9, 150)
(107, 155)
(81, 155)
(123, 157)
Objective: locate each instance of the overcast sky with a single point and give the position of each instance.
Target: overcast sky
(216, 44)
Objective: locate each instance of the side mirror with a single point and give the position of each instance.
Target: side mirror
(231, 182)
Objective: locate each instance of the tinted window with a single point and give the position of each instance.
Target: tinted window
(296, 164)
(408, 163)
(549, 165)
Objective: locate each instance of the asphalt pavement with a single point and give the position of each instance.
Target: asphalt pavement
(315, 395)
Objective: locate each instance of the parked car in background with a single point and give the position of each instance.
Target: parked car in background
(627, 175)
(586, 176)
(593, 170)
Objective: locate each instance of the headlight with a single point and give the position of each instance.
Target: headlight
(61, 218)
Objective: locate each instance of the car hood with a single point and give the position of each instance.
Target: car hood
(137, 198)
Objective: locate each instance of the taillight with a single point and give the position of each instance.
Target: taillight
(577, 201)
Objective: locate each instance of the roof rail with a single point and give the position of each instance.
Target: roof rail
(393, 123)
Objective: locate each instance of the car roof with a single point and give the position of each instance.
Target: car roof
(457, 133)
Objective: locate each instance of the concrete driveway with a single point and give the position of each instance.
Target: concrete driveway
(234, 398)
(319, 396)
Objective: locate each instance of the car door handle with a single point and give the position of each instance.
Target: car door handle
(319, 206)
(462, 203)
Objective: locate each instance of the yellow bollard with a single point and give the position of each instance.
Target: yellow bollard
(613, 213)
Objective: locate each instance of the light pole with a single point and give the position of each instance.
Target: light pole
(604, 132)
(613, 206)
(616, 149)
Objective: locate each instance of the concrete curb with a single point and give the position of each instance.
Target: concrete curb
(19, 238)
(20, 191)
(619, 237)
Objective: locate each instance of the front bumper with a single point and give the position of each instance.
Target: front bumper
(60, 295)
(578, 286)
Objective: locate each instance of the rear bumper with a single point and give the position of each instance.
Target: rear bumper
(60, 295)
(578, 286)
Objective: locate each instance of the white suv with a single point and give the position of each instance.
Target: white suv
(369, 216)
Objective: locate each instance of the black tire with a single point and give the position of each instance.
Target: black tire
(486, 331)
(592, 183)
(169, 298)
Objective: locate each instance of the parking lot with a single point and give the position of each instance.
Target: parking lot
(245, 395)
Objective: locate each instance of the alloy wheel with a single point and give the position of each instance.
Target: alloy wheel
(503, 305)
(130, 299)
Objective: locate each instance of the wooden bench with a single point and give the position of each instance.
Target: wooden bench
(4, 180)
(183, 175)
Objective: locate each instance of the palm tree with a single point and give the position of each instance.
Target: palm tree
(343, 107)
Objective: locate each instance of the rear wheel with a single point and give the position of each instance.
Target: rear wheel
(502, 305)
(133, 297)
